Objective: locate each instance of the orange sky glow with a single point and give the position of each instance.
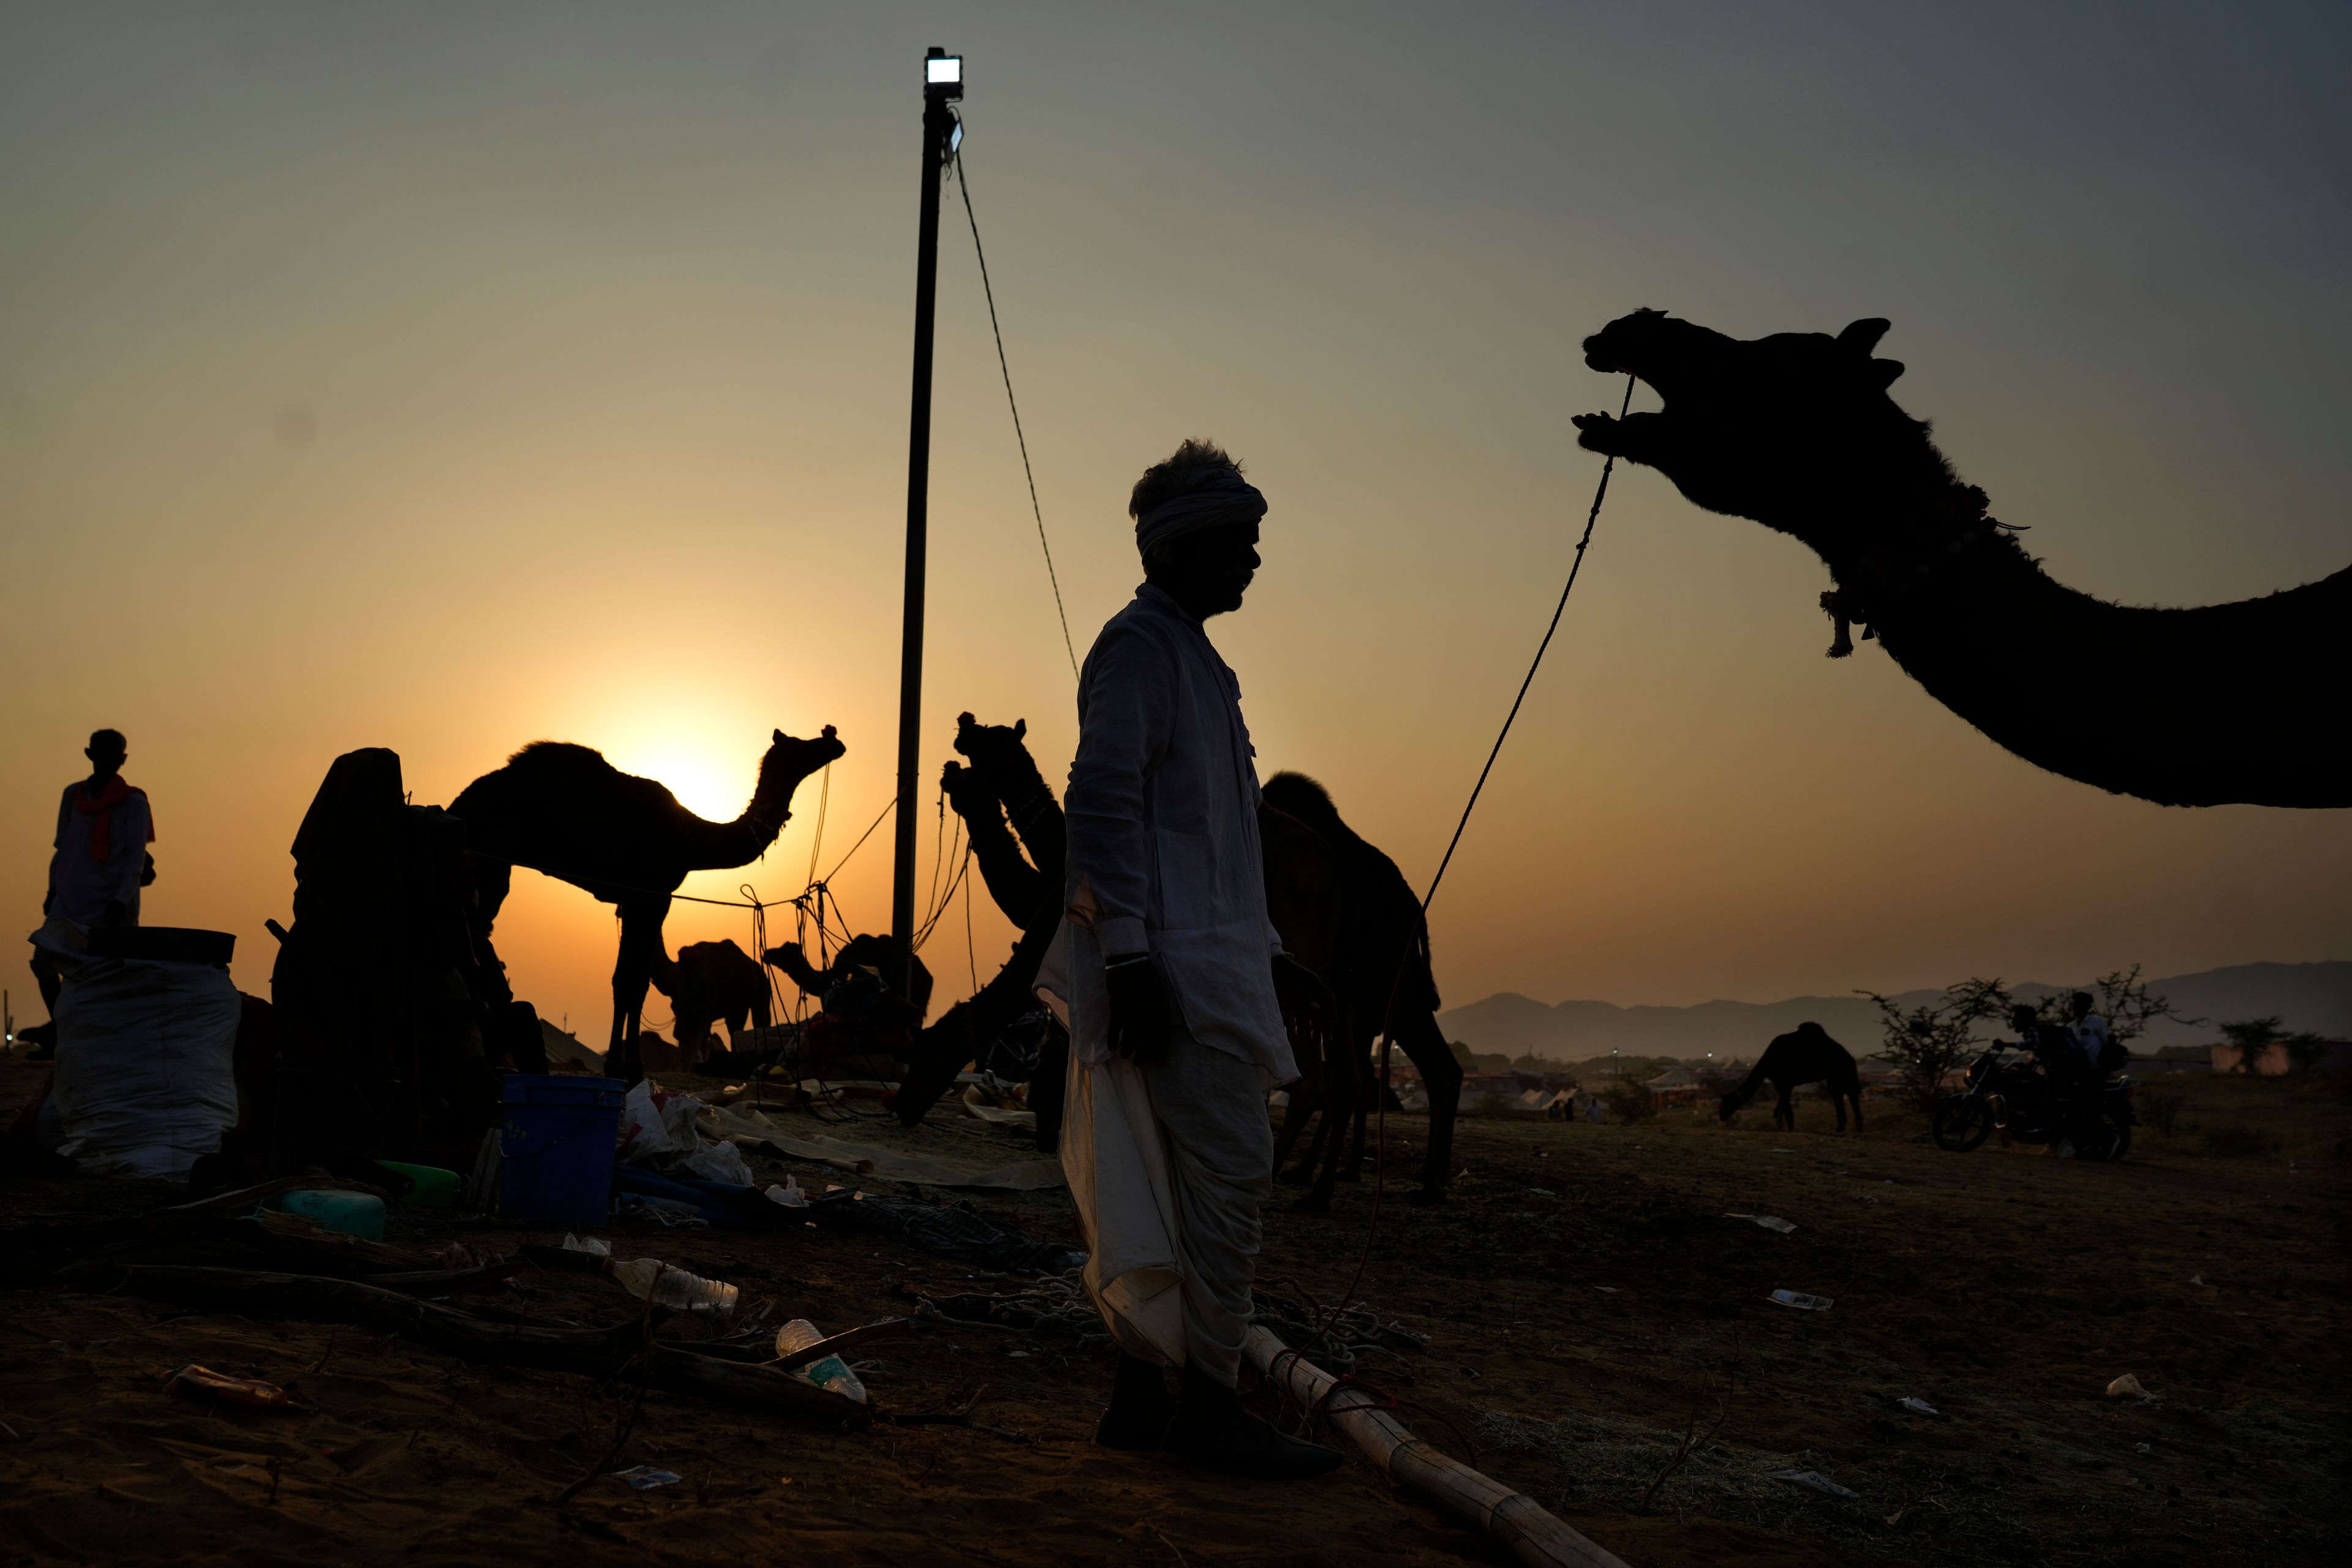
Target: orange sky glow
(443, 378)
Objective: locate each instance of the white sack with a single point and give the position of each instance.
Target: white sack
(145, 1078)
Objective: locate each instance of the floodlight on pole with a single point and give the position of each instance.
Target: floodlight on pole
(942, 85)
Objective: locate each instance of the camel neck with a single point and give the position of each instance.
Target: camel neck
(2164, 704)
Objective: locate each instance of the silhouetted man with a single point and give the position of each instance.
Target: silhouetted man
(2092, 1032)
(2069, 1083)
(1175, 982)
(99, 860)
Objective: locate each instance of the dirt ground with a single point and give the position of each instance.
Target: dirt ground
(1586, 1299)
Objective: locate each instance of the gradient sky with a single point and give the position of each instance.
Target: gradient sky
(444, 377)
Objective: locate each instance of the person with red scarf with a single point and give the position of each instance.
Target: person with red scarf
(104, 826)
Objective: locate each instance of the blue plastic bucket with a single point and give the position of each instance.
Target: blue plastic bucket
(555, 1163)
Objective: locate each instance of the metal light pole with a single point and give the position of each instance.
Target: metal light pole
(942, 85)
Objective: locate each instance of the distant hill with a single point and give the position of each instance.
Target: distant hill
(2314, 996)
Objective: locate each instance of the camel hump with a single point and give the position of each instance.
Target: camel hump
(565, 754)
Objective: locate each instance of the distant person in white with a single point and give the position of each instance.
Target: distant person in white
(2091, 1033)
(1175, 985)
(97, 864)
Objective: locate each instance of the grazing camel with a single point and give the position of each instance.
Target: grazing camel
(713, 983)
(1805, 1055)
(2197, 707)
(1379, 973)
(563, 810)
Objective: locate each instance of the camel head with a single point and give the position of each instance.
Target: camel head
(1727, 1108)
(797, 758)
(1000, 756)
(788, 762)
(1795, 430)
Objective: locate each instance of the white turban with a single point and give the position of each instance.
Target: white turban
(1219, 499)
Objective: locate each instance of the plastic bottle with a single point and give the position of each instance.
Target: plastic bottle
(353, 1214)
(832, 1372)
(672, 1288)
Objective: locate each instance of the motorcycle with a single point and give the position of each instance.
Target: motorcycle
(2010, 1096)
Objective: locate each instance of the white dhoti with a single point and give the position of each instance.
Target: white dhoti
(1169, 1166)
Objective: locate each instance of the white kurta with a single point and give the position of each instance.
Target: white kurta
(79, 887)
(1164, 860)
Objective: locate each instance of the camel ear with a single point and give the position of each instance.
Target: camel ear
(1885, 371)
(1020, 728)
(780, 737)
(1864, 334)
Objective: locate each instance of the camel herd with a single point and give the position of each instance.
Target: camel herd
(1342, 908)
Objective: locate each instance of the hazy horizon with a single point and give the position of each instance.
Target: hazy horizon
(446, 378)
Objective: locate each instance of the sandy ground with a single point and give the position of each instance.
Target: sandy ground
(1585, 1296)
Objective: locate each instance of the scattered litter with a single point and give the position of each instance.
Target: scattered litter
(591, 1246)
(2197, 1279)
(1798, 1298)
(644, 1476)
(1768, 1221)
(832, 1372)
(789, 1194)
(1609, 1289)
(718, 1163)
(1813, 1478)
(2143, 1448)
(672, 1288)
(194, 1382)
(1542, 1193)
(664, 1211)
(1017, 1354)
(2128, 1387)
(1869, 1198)
(1919, 1406)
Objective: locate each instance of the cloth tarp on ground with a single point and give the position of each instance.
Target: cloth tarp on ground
(758, 1129)
(957, 1231)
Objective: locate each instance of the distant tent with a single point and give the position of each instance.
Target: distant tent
(565, 1053)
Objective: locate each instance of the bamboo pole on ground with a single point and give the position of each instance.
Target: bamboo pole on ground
(1514, 1518)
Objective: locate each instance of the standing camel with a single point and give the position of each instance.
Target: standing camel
(1804, 1054)
(1379, 972)
(565, 811)
(2196, 707)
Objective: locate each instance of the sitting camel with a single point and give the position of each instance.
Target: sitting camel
(877, 953)
(1016, 828)
(2206, 706)
(1379, 973)
(563, 810)
(1008, 809)
(1804, 1054)
(709, 984)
